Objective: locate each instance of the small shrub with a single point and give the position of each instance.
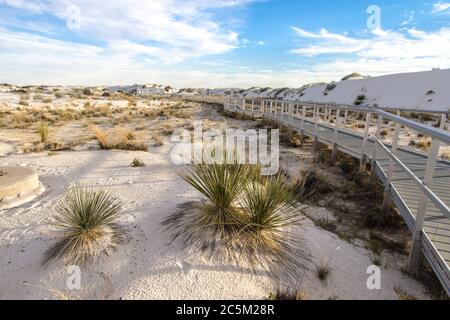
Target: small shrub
(85, 225)
(323, 271)
(351, 76)
(137, 163)
(376, 260)
(360, 99)
(403, 295)
(158, 140)
(327, 224)
(121, 139)
(43, 132)
(310, 185)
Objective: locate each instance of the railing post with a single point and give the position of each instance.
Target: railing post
(387, 187)
(364, 144)
(291, 114)
(373, 174)
(335, 136)
(316, 129)
(253, 107)
(345, 118)
(415, 256)
(235, 104)
(302, 124)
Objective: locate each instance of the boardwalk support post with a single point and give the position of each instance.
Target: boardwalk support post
(387, 187)
(316, 130)
(364, 144)
(415, 256)
(335, 136)
(373, 174)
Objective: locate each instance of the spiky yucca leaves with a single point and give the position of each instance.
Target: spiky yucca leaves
(85, 225)
(267, 239)
(212, 224)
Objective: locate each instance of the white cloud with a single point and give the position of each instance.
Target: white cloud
(380, 52)
(179, 28)
(440, 7)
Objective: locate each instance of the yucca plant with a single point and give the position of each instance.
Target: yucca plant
(266, 239)
(206, 224)
(43, 131)
(85, 225)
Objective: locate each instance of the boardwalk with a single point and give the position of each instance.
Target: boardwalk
(404, 192)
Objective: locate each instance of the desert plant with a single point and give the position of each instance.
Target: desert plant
(120, 139)
(323, 271)
(310, 185)
(360, 99)
(158, 140)
(351, 76)
(265, 238)
(43, 131)
(206, 224)
(137, 163)
(331, 86)
(326, 224)
(85, 225)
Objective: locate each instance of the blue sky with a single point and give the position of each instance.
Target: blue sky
(218, 43)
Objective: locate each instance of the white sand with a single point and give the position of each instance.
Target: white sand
(147, 267)
(397, 91)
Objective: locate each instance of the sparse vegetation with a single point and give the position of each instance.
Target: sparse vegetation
(352, 76)
(136, 163)
(120, 139)
(422, 143)
(85, 225)
(43, 132)
(360, 99)
(244, 218)
(330, 87)
(323, 271)
(288, 295)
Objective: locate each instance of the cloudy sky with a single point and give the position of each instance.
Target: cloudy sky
(218, 43)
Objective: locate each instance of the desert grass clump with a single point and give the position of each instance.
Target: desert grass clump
(85, 225)
(267, 238)
(21, 118)
(43, 132)
(323, 271)
(247, 218)
(120, 139)
(212, 224)
(310, 185)
(360, 100)
(136, 163)
(423, 143)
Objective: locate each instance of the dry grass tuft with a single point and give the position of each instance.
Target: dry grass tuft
(120, 139)
(43, 132)
(323, 271)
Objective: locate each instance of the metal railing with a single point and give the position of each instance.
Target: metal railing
(337, 118)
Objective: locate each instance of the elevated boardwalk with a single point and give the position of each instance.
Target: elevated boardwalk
(418, 183)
